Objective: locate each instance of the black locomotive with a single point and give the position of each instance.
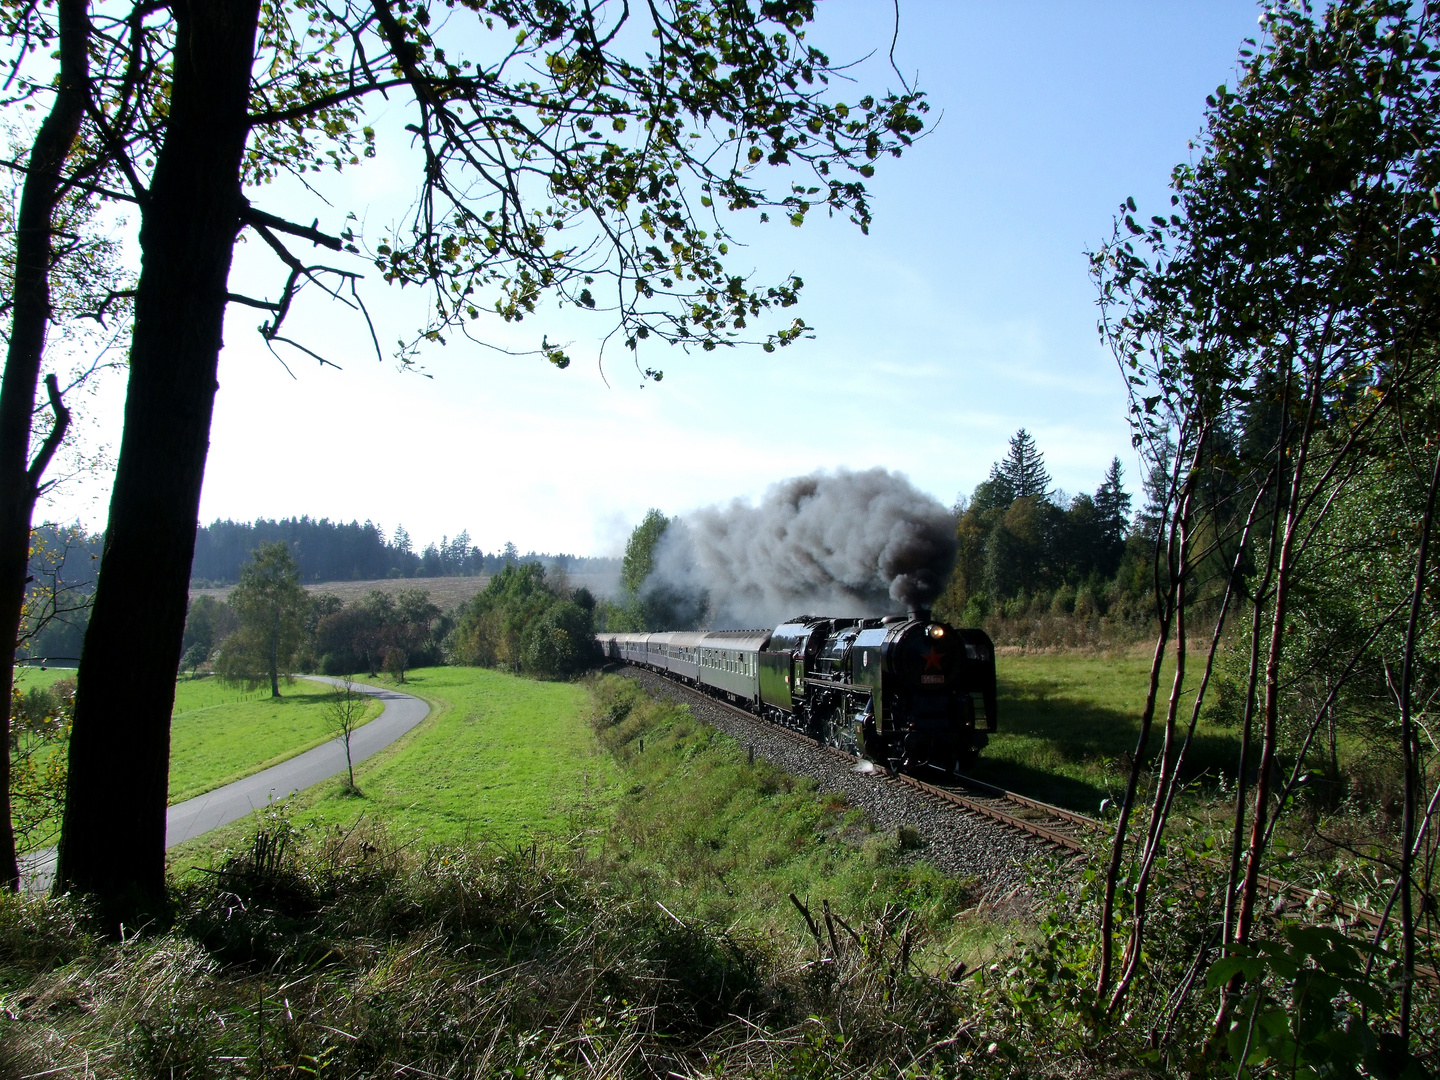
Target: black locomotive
(904, 690)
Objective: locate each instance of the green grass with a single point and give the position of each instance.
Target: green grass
(713, 835)
(500, 758)
(686, 820)
(27, 677)
(219, 734)
(1070, 720)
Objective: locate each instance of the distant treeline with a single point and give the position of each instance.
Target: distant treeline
(326, 550)
(522, 621)
(65, 565)
(1037, 566)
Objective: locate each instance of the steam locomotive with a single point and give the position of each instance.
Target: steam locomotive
(903, 690)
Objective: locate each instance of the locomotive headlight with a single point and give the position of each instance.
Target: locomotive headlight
(936, 631)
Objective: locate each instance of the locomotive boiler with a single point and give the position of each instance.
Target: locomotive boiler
(904, 690)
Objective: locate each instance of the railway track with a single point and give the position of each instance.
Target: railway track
(1055, 825)
(1038, 820)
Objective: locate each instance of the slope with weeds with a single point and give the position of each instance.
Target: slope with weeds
(338, 953)
(728, 839)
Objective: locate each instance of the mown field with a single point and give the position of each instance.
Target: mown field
(447, 592)
(220, 733)
(26, 677)
(501, 760)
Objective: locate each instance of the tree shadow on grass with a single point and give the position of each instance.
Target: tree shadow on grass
(1058, 747)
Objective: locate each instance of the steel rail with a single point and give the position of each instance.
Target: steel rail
(1041, 832)
(1032, 804)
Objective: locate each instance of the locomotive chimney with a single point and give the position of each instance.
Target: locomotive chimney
(920, 614)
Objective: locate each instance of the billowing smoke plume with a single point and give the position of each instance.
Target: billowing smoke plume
(847, 543)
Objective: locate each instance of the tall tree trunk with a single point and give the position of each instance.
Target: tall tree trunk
(19, 477)
(112, 843)
(1269, 744)
(1165, 596)
(1410, 754)
(275, 655)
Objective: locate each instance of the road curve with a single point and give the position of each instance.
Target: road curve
(195, 817)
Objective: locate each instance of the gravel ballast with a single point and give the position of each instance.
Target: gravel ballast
(952, 840)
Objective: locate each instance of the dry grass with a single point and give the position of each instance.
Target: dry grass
(349, 956)
(447, 592)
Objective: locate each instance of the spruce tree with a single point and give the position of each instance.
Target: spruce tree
(993, 493)
(1023, 469)
(1112, 504)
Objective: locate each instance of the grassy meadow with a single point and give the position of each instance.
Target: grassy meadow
(594, 880)
(501, 760)
(220, 733)
(579, 858)
(672, 807)
(1069, 721)
(27, 677)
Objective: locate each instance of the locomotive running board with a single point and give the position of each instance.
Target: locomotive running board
(821, 684)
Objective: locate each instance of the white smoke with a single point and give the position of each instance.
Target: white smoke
(841, 544)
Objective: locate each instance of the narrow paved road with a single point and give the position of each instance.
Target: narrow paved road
(197, 816)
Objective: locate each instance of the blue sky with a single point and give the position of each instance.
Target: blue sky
(966, 314)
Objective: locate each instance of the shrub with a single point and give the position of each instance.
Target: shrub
(559, 642)
(523, 622)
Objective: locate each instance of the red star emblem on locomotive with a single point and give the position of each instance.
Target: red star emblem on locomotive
(933, 659)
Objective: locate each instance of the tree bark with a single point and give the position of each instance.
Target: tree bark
(275, 654)
(1165, 597)
(1410, 755)
(112, 843)
(19, 478)
(1269, 745)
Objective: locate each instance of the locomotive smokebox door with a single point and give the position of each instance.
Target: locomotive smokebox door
(927, 658)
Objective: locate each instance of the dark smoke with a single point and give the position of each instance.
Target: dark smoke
(847, 543)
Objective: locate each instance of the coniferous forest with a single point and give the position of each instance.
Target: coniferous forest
(1035, 565)
(328, 550)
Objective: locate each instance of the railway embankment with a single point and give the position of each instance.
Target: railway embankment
(953, 842)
